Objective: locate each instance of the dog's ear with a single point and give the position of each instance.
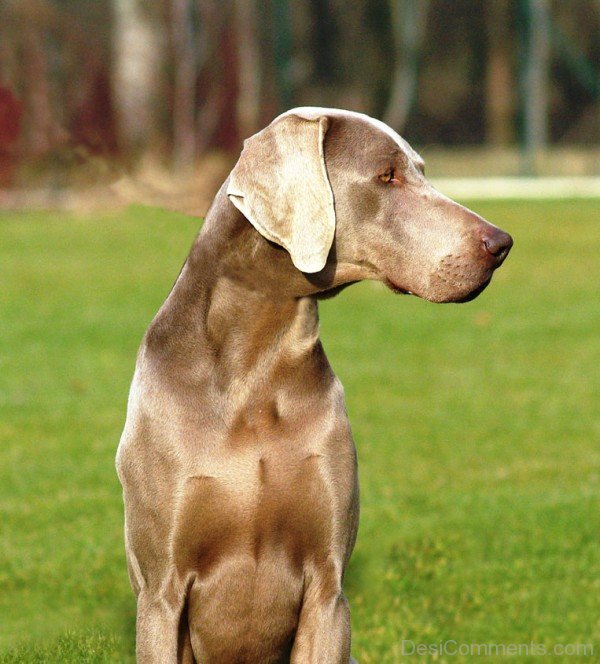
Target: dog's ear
(280, 185)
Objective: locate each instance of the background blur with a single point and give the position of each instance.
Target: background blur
(92, 90)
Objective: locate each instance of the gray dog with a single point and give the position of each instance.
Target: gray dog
(237, 461)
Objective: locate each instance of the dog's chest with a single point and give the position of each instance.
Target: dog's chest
(269, 491)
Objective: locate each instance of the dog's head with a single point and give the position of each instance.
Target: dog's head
(347, 197)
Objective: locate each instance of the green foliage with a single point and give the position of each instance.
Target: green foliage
(477, 428)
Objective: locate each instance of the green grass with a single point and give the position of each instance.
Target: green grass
(477, 428)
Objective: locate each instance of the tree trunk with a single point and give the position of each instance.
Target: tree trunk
(499, 106)
(249, 93)
(184, 93)
(38, 130)
(138, 48)
(534, 87)
(408, 23)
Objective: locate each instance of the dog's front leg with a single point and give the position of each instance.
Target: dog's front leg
(323, 630)
(157, 629)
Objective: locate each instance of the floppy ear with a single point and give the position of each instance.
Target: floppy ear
(280, 185)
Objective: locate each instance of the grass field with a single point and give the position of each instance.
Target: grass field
(477, 428)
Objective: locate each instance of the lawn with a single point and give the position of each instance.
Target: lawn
(477, 428)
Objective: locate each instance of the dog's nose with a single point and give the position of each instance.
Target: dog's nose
(498, 244)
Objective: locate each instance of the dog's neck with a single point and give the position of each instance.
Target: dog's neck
(236, 304)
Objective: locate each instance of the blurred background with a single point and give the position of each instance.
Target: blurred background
(91, 91)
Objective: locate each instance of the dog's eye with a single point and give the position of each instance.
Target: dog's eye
(388, 176)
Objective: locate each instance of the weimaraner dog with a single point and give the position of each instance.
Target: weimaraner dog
(237, 461)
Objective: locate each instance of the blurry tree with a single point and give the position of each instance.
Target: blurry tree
(282, 46)
(500, 107)
(184, 84)
(139, 55)
(575, 34)
(219, 79)
(184, 77)
(534, 78)
(11, 111)
(363, 36)
(409, 19)
(250, 70)
(25, 37)
(55, 68)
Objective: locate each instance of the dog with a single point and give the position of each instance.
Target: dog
(237, 462)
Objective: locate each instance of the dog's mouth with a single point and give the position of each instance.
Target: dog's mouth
(471, 295)
(474, 293)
